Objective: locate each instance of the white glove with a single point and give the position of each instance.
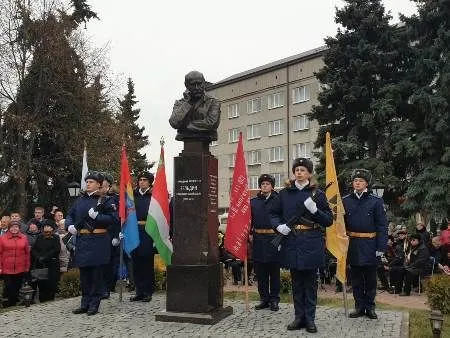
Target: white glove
(379, 254)
(283, 229)
(310, 205)
(92, 213)
(115, 242)
(121, 236)
(72, 229)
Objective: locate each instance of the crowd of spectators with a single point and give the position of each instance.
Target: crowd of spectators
(32, 252)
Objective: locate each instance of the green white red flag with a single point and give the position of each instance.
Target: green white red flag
(158, 219)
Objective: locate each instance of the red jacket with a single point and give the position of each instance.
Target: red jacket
(14, 254)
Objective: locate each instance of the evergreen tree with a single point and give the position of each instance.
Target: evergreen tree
(425, 143)
(360, 62)
(133, 135)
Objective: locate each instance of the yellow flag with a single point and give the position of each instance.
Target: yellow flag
(337, 240)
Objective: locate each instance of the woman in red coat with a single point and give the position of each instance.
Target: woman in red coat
(14, 260)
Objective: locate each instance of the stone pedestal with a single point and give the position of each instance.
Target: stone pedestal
(194, 280)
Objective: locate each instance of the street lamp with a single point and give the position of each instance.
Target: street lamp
(378, 189)
(26, 293)
(74, 189)
(436, 320)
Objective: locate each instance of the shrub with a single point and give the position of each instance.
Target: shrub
(438, 293)
(69, 285)
(285, 281)
(160, 280)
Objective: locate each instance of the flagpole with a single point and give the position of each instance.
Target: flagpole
(344, 294)
(121, 269)
(247, 306)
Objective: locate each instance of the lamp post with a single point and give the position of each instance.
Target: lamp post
(74, 189)
(436, 320)
(26, 293)
(378, 189)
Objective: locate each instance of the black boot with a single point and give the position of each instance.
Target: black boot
(296, 325)
(311, 328)
(274, 306)
(371, 314)
(79, 310)
(262, 305)
(357, 313)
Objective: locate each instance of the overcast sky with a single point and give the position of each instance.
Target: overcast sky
(157, 42)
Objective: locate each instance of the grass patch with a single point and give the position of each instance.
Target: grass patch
(419, 322)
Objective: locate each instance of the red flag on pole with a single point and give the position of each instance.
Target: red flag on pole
(239, 214)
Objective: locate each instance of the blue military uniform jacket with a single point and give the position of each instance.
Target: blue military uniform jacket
(93, 249)
(263, 250)
(301, 250)
(365, 215)
(142, 202)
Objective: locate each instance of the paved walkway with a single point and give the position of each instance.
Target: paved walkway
(415, 301)
(131, 319)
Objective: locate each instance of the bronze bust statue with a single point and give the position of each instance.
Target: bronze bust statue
(197, 115)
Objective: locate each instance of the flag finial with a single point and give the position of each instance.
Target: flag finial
(161, 142)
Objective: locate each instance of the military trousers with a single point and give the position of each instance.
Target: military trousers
(144, 274)
(304, 291)
(364, 284)
(92, 281)
(268, 277)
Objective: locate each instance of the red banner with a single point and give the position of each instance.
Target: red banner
(239, 214)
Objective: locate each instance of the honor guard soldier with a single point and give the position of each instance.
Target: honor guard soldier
(299, 213)
(90, 219)
(111, 269)
(366, 225)
(143, 255)
(265, 255)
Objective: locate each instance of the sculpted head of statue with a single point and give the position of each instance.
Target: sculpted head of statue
(195, 84)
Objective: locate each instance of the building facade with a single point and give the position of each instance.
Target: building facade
(269, 105)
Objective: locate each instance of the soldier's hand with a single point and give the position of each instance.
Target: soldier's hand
(121, 236)
(115, 242)
(379, 254)
(283, 229)
(92, 213)
(310, 205)
(72, 229)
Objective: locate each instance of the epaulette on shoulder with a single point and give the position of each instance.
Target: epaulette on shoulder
(348, 195)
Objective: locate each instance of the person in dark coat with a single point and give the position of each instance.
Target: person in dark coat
(425, 237)
(265, 255)
(397, 262)
(303, 247)
(417, 263)
(143, 255)
(383, 267)
(45, 254)
(111, 269)
(367, 227)
(89, 219)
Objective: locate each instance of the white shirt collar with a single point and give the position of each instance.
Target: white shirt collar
(143, 192)
(359, 195)
(300, 186)
(91, 193)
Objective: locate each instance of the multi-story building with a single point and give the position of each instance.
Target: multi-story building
(268, 104)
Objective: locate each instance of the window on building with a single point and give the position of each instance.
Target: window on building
(254, 157)
(233, 110)
(301, 122)
(302, 150)
(275, 127)
(253, 182)
(275, 100)
(233, 135)
(254, 105)
(300, 94)
(231, 160)
(253, 131)
(276, 154)
(279, 180)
